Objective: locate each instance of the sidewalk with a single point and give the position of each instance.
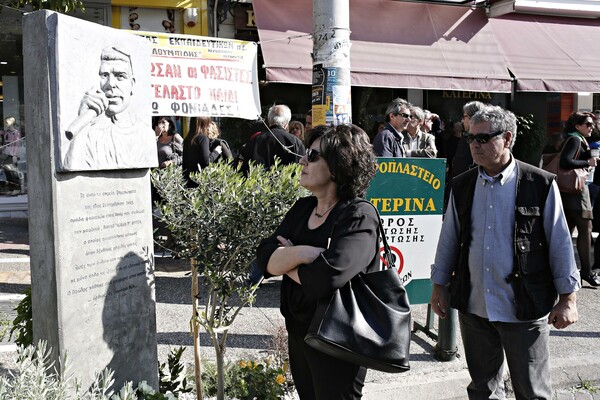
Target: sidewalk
(575, 352)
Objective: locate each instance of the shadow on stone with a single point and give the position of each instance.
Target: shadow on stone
(128, 320)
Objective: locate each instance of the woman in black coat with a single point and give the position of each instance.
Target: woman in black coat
(324, 241)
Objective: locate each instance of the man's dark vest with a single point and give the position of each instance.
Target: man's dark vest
(531, 278)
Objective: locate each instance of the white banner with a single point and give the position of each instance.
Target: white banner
(203, 76)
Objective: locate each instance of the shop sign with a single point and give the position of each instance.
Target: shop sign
(458, 94)
(409, 194)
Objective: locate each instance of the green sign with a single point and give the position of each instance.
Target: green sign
(409, 194)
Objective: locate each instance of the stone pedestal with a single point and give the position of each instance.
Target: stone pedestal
(90, 232)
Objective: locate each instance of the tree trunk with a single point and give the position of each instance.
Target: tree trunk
(196, 328)
(220, 369)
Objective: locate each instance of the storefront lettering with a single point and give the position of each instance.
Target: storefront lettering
(250, 21)
(457, 94)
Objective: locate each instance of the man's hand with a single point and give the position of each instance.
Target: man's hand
(564, 312)
(439, 300)
(94, 100)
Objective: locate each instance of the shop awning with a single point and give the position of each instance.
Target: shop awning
(394, 44)
(550, 54)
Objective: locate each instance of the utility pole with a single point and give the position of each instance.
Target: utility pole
(331, 100)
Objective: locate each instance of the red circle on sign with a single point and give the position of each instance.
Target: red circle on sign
(399, 258)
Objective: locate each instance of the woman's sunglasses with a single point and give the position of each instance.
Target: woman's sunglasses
(312, 155)
(482, 137)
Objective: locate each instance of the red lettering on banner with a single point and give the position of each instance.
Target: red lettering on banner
(165, 70)
(223, 95)
(176, 92)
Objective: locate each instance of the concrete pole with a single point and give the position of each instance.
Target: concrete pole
(331, 101)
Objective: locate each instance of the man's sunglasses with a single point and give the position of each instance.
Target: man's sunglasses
(312, 155)
(404, 115)
(482, 137)
(589, 124)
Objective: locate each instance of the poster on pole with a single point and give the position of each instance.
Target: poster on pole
(203, 76)
(409, 194)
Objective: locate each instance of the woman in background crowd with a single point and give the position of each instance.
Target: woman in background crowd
(197, 153)
(578, 207)
(219, 148)
(10, 139)
(169, 143)
(296, 128)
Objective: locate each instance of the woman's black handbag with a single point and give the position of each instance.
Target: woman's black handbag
(367, 321)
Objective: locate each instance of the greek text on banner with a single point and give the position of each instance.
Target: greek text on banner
(202, 76)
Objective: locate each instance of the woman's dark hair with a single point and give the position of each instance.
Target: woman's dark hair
(349, 155)
(576, 118)
(172, 127)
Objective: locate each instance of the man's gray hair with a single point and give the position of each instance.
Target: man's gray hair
(111, 53)
(395, 106)
(499, 119)
(472, 107)
(418, 112)
(279, 115)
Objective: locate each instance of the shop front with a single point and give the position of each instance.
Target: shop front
(441, 56)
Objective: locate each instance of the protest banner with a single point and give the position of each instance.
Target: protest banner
(203, 76)
(409, 194)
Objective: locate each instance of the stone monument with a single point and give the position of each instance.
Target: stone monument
(89, 149)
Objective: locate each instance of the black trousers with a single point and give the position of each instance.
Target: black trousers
(318, 376)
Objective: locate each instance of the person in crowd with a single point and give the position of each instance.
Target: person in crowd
(169, 143)
(324, 241)
(377, 127)
(107, 133)
(10, 139)
(218, 148)
(430, 121)
(416, 142)
(297, 129)
(308, 122)
(462, 160)
(452, 143)
(504, 256)
(595, 187)
(388, 142)
(196, 148)
(275, 142)
(428, 118)
(437, 130)
(578, 207)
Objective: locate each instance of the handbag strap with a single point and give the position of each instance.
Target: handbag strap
(388, 257)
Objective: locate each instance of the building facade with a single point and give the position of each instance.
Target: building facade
(532, 57)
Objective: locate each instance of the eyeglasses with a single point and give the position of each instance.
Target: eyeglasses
(482, 137)
(312, 155)
(589, 124)
(414, 117)
(403, 115)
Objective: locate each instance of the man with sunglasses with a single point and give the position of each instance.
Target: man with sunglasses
(504, 257)
(418, 143)
(388, 142)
